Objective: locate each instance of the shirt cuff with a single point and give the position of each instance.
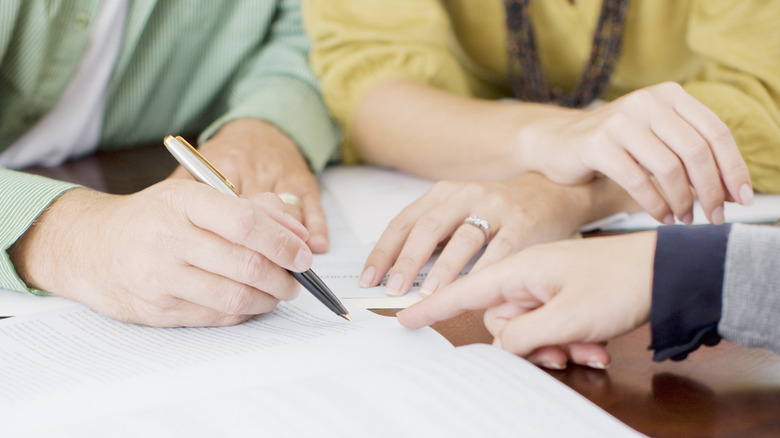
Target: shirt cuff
(23, 198)
(687, 289)
(297, 110)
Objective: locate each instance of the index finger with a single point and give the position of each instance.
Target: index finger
(474, 291)
(244, 223)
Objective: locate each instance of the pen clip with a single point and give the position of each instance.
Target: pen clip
(206, 162)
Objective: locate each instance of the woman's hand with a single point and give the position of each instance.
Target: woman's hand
(660, 132)
(521, 211)
(554, 301)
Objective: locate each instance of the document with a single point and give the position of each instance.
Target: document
(298, 371)
(359, 202)
(16, 303)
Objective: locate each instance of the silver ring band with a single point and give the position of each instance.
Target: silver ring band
(481, 223)
(290, 199)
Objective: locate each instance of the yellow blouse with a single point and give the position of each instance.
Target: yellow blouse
(725, 53)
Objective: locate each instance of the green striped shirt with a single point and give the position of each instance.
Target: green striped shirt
(185, 67)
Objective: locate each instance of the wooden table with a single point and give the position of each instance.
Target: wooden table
(722, 391)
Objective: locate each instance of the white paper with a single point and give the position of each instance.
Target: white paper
(295, 372)
(16, 303)
(368, 197)
(765, 209)
(72, 365)
(359, 202)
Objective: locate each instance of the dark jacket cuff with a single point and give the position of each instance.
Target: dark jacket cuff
(687, 289)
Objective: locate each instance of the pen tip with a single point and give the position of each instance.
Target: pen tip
(347, 317)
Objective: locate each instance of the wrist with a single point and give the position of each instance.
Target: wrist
(44, 256)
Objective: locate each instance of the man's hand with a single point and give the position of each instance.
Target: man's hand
(258, 158)
(176, 254)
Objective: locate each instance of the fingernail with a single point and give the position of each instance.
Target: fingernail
(394, 285)
(429, 285)
(746, 195)
(554, 365)
(597, 365)
(688, 219)
(669, 220)
(717, 216)
(302, 260)
(367, 277)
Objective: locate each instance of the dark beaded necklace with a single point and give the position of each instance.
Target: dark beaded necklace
(525, 69)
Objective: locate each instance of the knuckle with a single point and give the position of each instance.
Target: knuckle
(615, 123)
(253, 265)
(245, 222)
(668, 87)
(711, 193)
(399, 225)
(445, 269)
(497, 201)
(285, 289)
(474, 190)
(405, 262)
(668, 166)
(238, 300)
(635, 181)
(696, 152)
(380, 254)
(736, 168)
(430, 224)
(656, 207)
(281, 246)
(641, 98)
(720, 132)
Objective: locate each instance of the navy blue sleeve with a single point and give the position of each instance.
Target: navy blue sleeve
(687, 289)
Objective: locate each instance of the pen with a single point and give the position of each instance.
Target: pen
(203, 171)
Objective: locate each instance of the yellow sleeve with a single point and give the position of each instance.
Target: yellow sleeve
(740, 80)
(358, 43)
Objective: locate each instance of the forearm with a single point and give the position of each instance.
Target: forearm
(751, 287)
(432, 133)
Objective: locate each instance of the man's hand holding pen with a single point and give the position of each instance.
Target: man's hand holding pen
(257, 157)
(176, 254)
(204, 171)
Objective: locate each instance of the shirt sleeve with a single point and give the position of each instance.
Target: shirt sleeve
(277, 85)
(22, 199)
(739, 80)
(360, 43)
(687, 288)
(751, 289)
